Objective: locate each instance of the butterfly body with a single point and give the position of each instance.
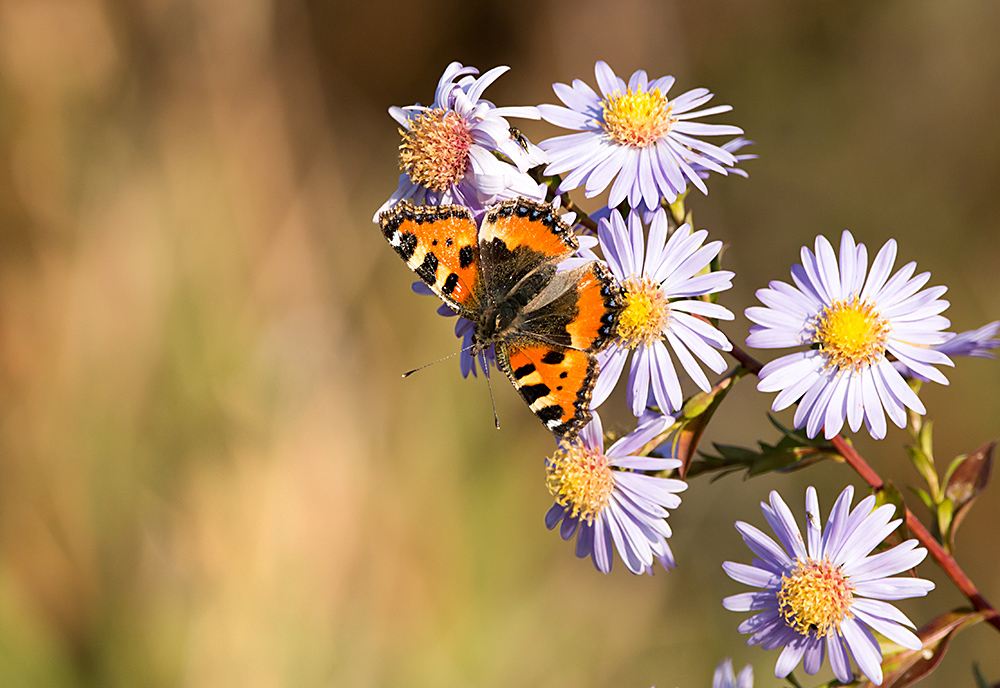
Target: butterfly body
(545, 324)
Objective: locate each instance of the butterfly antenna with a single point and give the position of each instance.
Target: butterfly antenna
(486, 369)
(411, 372)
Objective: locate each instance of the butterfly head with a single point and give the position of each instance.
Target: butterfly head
(494, 323)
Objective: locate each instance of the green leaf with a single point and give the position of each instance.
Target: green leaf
(944, 514)
(955, 463)
(924, 497)
(981, 681)
(925, 438)
(792, 452)
(792, 681)
(906, 667)
(924, 463)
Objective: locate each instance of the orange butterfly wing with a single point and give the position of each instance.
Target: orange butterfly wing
(551, 361)
(555, 381)
(440, 244)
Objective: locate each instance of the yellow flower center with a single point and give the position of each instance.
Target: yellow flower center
(637, 118)
(815, 596)
(852, 334)
(581, 479)
(646, 312)
(435, 151)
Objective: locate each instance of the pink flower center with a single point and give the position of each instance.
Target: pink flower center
(434, 152)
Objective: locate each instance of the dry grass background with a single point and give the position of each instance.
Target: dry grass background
(210, 471)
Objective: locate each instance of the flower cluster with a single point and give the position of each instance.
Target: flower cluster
(864, 335)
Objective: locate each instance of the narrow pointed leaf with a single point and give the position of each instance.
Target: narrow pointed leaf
(792, 452)
(697, 412)
(924, 497)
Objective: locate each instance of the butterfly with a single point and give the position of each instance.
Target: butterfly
(546, 325)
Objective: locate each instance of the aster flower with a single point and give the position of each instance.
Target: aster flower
(972, 343)
(851, 325)
(448, 152)
(725, 677)
(635, 132)
(659, 284)
(969, 344)
(825, 594)
(604, 497)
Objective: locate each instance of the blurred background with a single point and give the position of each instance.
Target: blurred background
(211, 473)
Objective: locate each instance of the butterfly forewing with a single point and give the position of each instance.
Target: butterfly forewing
(440, 244)
(519, 238)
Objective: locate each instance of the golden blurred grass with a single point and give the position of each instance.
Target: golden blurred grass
(210, 472)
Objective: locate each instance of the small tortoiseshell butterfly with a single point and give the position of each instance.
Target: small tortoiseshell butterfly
(546, 325)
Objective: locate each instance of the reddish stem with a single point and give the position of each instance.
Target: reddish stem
(868, 474)
(941, 556)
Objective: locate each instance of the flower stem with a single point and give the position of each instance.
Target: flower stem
(944, 560)
(947, 562)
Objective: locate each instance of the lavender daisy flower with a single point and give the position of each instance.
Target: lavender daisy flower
(725, 677)
(969, 344)
(972, 343)
(604, 497)
(448, 152)
(825, 594)
(659, 284)
(851, 325)
(635, 132)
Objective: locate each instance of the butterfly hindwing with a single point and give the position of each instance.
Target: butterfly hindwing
(440, 244)
(599, 303)
(577, 308)
(556, 382)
